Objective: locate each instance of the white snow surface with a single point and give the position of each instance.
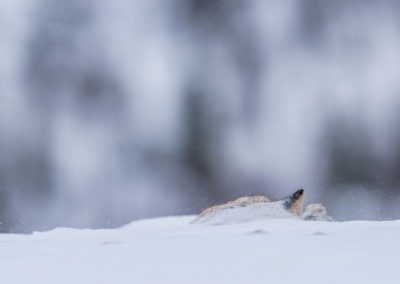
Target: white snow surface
(172, 250)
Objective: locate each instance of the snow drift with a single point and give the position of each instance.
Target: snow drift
(171, 250)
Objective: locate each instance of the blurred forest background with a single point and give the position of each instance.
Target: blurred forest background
(112, 111)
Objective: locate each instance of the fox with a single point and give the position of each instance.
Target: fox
(248, 208)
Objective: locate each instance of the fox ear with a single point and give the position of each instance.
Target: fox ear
(293, 203)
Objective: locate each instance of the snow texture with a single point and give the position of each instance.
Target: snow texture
(172, 250)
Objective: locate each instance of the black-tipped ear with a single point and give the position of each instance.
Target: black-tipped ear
(293, 199)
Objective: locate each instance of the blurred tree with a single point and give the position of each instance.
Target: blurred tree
(350, 156)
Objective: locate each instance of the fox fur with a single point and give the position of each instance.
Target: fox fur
(293, 205)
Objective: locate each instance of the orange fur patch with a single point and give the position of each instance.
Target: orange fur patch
(296, 208)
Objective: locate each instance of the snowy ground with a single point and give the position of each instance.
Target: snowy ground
(171, 250)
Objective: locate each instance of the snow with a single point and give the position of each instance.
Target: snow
(172, 250)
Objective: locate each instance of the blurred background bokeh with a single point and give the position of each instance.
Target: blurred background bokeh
(111, 111)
